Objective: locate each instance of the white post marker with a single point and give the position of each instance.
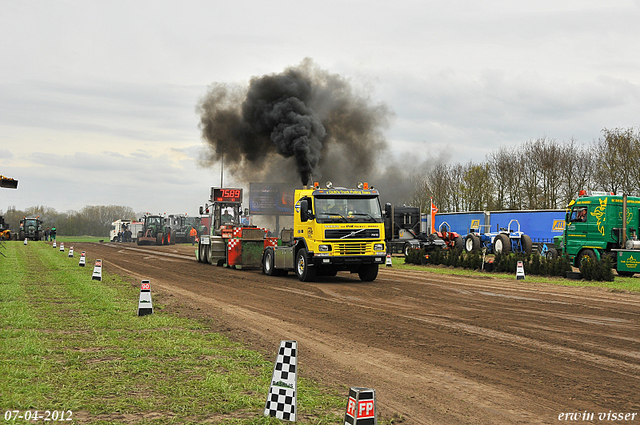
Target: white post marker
(97, 271)
(82, 259)
(281, 401)
(361, 407)
(520, 271)
(54, 243)
(389, 263)
(145, 306)
(25, 241)
(61, 246)
(71, 252)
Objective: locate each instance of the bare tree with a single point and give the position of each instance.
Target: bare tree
(614, 150)
(576, 170)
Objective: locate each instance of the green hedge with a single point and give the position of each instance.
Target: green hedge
(533, 264)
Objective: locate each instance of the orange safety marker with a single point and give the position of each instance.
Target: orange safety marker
(361, 407)
(82, 259)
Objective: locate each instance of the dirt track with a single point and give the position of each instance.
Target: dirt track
(437, 349)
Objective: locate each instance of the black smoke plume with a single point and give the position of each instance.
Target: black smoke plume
(301, 122)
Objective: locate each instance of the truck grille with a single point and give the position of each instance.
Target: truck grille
(344, 233)
(350, 248)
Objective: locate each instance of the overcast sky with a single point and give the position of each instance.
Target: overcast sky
(98, 99)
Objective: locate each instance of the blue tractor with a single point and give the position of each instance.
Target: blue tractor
(504, 241)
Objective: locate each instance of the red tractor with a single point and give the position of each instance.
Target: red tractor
(451, 239)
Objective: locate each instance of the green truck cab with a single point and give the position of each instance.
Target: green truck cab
(601, 224)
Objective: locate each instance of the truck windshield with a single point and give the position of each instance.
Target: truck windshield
(347, 209)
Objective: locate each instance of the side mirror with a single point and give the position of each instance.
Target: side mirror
(246, 211)
(387, 210)
(201, 210)
(304, 207)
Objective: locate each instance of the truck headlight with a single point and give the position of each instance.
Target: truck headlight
(378, 247)
(324, 248)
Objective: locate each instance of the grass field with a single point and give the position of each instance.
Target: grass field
(69, 343)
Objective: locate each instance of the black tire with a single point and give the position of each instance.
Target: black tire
(584, 255)
(501, 244)
(201, 253)
(368, 272)
(303, 271)
(159, 238)
(268, 263)
(551, 254)
(472, 243)
(458, 244)
(527, 244)
(406, 248)
(167, 237)
(172, 241)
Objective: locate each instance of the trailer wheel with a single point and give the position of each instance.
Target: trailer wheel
(268, 263)
(368, 272)
(584, 255)
(502, 244)
(406, 249)
(304, 272)
(201, 253)
(527, 244)
(472, 243)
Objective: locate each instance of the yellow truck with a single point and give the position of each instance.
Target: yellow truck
(334, 229)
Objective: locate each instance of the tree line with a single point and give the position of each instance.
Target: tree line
(541, 173)
(93, 220)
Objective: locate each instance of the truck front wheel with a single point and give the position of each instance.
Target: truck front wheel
(368, 272)
(586, 254)
(304, 272)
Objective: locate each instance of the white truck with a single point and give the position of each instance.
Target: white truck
(125, 226)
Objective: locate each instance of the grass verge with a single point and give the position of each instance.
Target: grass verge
(73, 344)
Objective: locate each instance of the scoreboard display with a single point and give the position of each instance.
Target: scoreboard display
(226, 195)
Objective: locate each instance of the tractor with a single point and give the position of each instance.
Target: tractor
(155, 231)
(31, 228)
(5, 233)
(504, 241)
(451, 239)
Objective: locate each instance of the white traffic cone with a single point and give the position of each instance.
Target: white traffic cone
(281, 401)
(389, 263)
(83, 257)
(71, 252)
(25, 241)
(54, 243)
(61, 246)
(145, 306)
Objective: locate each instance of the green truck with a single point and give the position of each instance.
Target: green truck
(594, 228)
